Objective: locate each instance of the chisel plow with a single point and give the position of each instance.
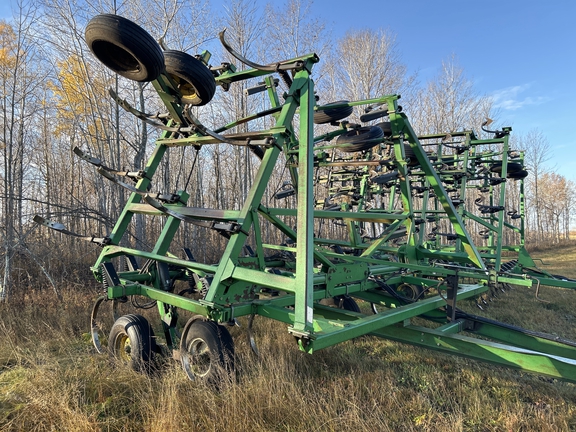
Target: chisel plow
(380, 225)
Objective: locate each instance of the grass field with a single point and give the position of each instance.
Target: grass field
(52, 380)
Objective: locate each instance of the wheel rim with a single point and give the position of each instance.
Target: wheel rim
(187, 90)
(123, 348)
(200, 361)
(408, 291)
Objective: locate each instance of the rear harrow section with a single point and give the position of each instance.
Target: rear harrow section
(370, 215)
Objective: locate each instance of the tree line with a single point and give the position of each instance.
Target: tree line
(55, 97)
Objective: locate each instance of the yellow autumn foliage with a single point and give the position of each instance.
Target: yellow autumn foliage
(76, 93)
(7, 47)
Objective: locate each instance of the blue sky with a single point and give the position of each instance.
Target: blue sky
(523, 53)
(520, 52)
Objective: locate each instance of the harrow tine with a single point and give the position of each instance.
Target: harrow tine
(280, 67)
(52, 225)
(250, 334)
(85, 156)
(159, 206)
(110, 177)
(134, 175)
(148, 118)
(538, 291)
(101, 241)
(167, 198)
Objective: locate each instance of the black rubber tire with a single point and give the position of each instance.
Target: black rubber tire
(386, 127)
(518, 175)
(347, 303)
(410, 291)
(410, 156)
(333, 114)
(207, 352)
(130, 342)
(124, 47)
(373, 115)
(196, 83)
(363, 138)
(512, 167)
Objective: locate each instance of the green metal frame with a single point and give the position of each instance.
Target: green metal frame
(404, 247)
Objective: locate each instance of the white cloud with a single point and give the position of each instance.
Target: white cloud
(512, 98)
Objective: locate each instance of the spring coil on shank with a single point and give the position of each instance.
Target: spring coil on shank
(102, 275)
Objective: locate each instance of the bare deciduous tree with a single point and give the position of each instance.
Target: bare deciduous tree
(449, 103)
(537, 153)
(367, 64)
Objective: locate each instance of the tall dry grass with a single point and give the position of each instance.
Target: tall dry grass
(51, 379)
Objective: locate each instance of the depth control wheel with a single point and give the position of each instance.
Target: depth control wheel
(512, 167)
(332, 114)
(195, 81)
(130, 342)
(347, 303)
(207, 351)
(410, 291)
(363, 138)
(124, 47)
